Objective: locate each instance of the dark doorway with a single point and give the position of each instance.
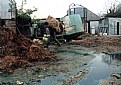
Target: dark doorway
(89, 29)
(117, 28)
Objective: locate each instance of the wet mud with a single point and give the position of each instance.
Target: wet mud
(69, 60)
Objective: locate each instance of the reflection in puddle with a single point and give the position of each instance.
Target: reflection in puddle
(115, 56)
(111, 58)
(103, 65)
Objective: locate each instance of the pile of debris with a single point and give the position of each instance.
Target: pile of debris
(19, 51)
(100, 43)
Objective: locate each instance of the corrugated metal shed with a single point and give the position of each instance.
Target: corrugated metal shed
(5, 9)
(111, 26)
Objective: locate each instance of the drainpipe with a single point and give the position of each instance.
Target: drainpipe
(85, 19)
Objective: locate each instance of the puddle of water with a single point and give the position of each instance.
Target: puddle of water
(67, 51)
(101, 69)
(58, 80)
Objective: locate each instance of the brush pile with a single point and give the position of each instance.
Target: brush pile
(101, 43)
(18, 51)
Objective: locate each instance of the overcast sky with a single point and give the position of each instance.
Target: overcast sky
(58, 8)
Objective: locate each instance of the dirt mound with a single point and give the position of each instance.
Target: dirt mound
(18, 51)
(101, 43)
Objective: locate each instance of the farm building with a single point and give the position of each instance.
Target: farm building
(110, 26)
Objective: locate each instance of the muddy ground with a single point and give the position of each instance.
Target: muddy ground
(110, 45)
(100, 43)
(70, 57)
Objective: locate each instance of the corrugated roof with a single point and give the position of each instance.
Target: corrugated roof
(79, 9)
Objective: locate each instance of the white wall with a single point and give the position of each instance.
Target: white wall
(113, 26)
(4, 8)
(94, 26)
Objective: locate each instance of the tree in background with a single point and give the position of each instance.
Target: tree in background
(118, 10)
(24, 20)
(114, 10)
(23, 15)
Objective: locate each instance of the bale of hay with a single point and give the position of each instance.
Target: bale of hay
(54, 23)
